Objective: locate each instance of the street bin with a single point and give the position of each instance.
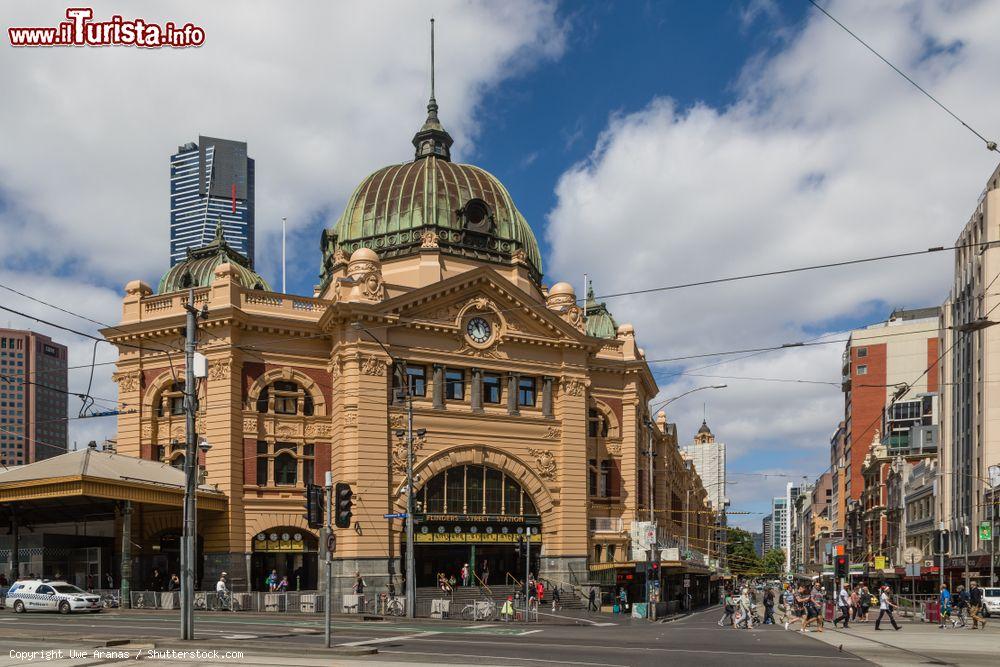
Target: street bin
(828, 611)
(932, 614)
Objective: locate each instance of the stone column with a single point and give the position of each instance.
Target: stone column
(437, 390)
(547, 397)
(512, 381)
(476, 390)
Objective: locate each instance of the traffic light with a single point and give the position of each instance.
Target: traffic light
(314, 506)
(342, 495)
(840, 567)
(941, 542)
(517, 546)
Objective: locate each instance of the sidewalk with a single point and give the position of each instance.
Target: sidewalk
(916, 643)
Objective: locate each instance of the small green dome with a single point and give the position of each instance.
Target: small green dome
(600, 322)
(198, 268)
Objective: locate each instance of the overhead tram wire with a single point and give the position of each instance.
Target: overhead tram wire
(990, 145)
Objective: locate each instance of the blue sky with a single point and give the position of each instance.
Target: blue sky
(647, 144)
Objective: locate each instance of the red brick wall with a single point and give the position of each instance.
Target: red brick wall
(867, 402)
(249, 461)
(322, 463)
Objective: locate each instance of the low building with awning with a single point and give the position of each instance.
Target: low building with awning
(66, 516)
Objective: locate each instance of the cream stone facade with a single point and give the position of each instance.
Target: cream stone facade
(529, 413)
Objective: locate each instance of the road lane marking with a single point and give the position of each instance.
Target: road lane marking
(382, 640)
(527, 632)
(505, 657)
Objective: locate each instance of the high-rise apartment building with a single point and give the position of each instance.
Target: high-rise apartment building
(779, 523)
(838, 480)
(970, 396)
(898, 355)
(33, 399)
(709, 458)
(767, 527)
(211, 181)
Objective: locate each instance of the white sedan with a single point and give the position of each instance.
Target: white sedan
(45, 595)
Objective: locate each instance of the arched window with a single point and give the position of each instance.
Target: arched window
(178, 462)
(171, 400)
(597, 424)
(285, 398)
(285, 469)
(475, 489)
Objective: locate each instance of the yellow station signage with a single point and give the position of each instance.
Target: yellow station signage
(466, 538)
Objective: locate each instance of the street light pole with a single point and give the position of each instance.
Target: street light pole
(189, 538)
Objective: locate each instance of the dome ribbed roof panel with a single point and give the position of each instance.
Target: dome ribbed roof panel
(392, 204)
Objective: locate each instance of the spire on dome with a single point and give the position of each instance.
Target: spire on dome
(432, 138)
(704, 427)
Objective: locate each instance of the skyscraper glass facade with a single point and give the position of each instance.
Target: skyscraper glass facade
(211, 181)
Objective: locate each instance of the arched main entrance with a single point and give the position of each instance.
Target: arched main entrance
(290, 552)
(473, 514)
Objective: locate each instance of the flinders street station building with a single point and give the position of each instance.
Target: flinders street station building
(530, 406)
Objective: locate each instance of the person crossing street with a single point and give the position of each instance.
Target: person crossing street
(885, 607)
(844, 603)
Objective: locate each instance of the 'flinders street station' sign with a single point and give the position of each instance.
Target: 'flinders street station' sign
(475, 528)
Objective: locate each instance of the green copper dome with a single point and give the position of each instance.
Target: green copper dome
(600, 322)
(198, 268)
(432, 202)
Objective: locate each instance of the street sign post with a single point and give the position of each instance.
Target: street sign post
(397, 515)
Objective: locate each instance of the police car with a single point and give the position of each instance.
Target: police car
(45, 595)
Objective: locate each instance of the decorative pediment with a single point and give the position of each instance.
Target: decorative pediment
(448, 303)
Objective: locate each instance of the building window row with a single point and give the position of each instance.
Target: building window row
(475, 386)
(285, 398)
(285, 463)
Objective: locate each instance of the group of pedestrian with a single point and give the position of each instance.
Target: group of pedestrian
(156, 583)
(740, 611)
(274, 584)
(955, 608)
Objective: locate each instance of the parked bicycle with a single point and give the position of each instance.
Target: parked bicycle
(479, 610)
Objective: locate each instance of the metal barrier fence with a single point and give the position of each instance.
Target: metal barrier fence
(296, 602)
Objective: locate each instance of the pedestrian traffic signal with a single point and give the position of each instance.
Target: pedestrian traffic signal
(518, 545)
(314, 506)
(840, 567)
(342, 494)
(941, 542)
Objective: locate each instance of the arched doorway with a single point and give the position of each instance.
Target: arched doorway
(290, 552)
(473, 514)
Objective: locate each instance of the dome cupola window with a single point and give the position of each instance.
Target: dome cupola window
(477, 217)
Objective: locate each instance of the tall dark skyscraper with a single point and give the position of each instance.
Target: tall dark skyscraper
(211, 180)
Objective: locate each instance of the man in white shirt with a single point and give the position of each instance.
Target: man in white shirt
(844, 602)
(222, 591)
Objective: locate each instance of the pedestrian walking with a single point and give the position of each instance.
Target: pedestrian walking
(728, 610)
(746, 610)
(592, 600)
(818, 597)
(507, 610)
(155, 581)
(485, 572)
(885, 608)
(844, 602)
(465, 574)
(960, 603)
(174, 584)
(944, 601)
(788, 605)
(222, 591)
(555, 599)
(359, 583)
(272, 581)
(855, 604)
(769, 607)
(865, 602)
(622, 599)
(976, 607)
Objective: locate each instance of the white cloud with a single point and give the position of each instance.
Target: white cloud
(322, 92)
(825, 154)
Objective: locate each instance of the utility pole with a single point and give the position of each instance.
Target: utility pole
(190, 536)
(283, 289)
(527, 574)
(328, 607)
(411, 578)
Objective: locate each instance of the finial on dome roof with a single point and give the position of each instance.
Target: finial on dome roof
(432, 138)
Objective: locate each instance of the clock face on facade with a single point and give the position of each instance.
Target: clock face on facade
(479, 330)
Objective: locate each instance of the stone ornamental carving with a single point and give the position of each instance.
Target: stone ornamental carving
(334, 369)
(318, 430)
(128, 381)
(147, 432)
(351, 418)
(364, 272)
(562, 300)
(614, 448)
(397, 421)
(399, 452)
(373, 366)
(546, 461)
(574, 387)
(250, 425)
(552, 433)
(429, 239)
(287, 430)
(177, 432)
(219, 370)
(519, 257)
(339, 257)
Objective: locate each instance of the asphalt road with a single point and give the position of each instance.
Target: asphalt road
(693, 640)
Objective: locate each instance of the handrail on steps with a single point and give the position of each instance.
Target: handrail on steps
(482, 584)
(516, 581)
